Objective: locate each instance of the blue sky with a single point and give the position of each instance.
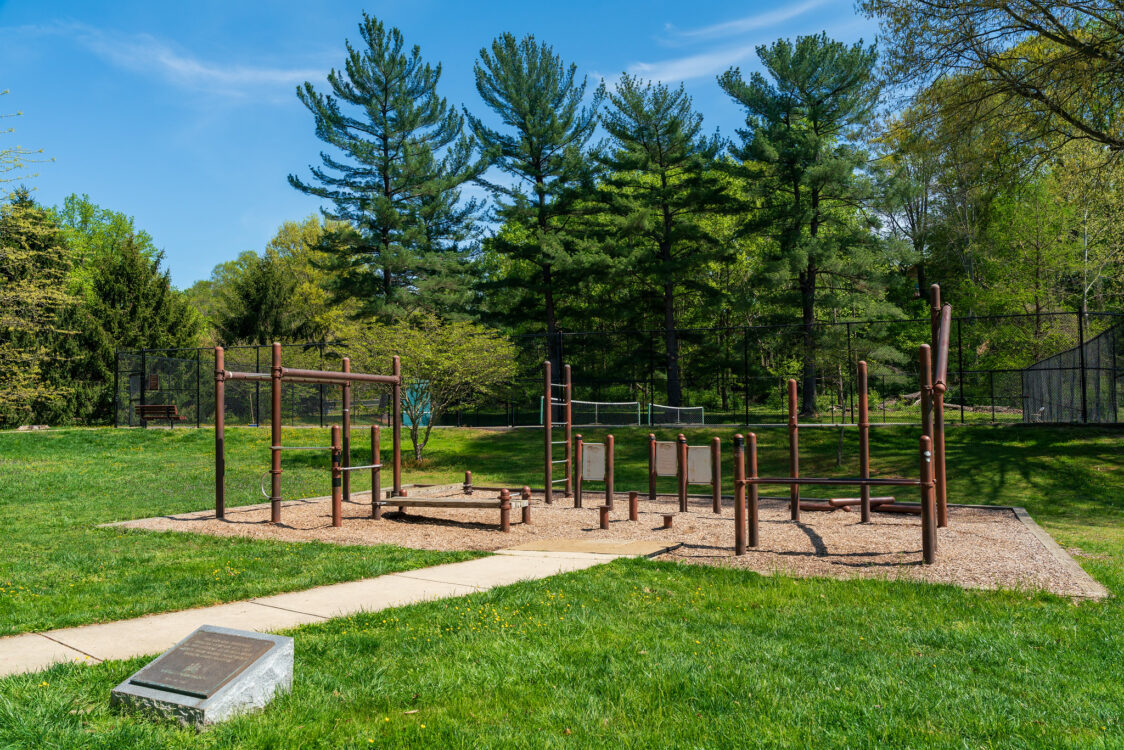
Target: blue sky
(184, 114)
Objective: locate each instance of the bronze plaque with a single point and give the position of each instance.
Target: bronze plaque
(202, 664)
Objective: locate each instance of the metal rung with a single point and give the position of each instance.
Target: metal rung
(558, 424)
(357, 468)
(558, 442)
(557, 385)
(560, 461)
(556, 481)
(301, 447)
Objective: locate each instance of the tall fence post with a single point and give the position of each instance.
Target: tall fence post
(959, 367)
(1081, 353)
(116, 386)
(198, 388)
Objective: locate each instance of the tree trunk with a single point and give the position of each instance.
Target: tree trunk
(808, 300)
(671, 339)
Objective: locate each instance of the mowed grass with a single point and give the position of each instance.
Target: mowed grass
(644, 654)
(57, 569)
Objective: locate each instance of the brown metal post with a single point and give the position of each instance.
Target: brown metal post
(793, 451)
(603, 516)
(396, 398)
(525, 493)
(376, 473)
(337, 477)
(633, 506)
(275, 431)
(548, 427)
(651, 466)
(346, 420)
(220, 433)
(864, 444)
(681, 470)
(935, 310)
(579, 456)
(751, 511)
(739, 495)
(928, 522)
(924, 356)
(505, 511)
(609, 445)
(468, 483)
(716, 473)
(938, 455)
(569, 418)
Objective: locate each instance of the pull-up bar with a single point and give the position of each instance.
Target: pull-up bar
(277, 375)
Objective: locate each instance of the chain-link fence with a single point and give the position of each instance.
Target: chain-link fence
(1049, 367)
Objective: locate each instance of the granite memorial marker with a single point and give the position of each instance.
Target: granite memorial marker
(210, 676)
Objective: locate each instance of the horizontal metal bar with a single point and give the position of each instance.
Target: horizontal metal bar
(558, 442)
(301, 447)
(836, 482)
(234, 375)
(335, 375)
(559, 481)
(357, 468)
(560, 461)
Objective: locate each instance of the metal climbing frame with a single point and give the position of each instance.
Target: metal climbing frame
(561, 402)
(277, 376)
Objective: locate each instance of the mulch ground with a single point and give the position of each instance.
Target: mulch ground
(980, 548)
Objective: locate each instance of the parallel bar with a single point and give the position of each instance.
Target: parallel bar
(681, 467)
(346, 469)
(320, 375)
(548, 427)
(831, 482)
(716, 474)
(376, 473)
(337, 478)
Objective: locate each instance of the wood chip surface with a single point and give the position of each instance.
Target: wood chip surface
(981, 548)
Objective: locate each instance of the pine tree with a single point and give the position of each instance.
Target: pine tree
(129, 303)
(403, 148)
(804, 153)
(257, 302)
(660, 183)
(543, 147)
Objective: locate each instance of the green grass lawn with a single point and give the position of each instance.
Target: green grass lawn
(635, 653)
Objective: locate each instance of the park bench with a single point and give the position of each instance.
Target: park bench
(159, 411)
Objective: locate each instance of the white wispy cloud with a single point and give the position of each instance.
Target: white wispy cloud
(693, 66)
(149, 55)
(748, 23)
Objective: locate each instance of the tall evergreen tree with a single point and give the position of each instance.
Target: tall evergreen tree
(257, 302)
(543, 147)
(660, 184)
(801, 141)
(402, 149)
(128, 303)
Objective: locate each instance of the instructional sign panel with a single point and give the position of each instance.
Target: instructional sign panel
(665, 458)
(593, 462)
(698, 465)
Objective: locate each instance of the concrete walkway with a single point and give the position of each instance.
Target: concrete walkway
(31, 652)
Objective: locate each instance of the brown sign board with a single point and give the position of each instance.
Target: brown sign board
(665, 458)
(202, 664)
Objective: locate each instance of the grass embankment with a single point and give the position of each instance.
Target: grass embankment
(644, 654)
